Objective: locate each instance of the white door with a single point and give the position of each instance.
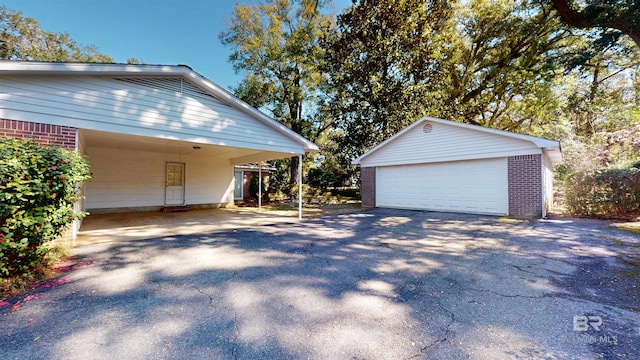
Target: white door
(238, 185)
(473, 186)
(174, 190)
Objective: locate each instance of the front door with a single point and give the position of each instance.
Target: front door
(174, 191)
(238, 185)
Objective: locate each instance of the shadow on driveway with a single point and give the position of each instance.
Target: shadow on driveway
(381, 284)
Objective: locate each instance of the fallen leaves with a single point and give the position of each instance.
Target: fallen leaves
(52, 284)
(29, 297)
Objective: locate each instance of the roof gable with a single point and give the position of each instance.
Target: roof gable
(437, 140)
(170, 102)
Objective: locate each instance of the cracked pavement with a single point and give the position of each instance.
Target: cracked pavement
(379, 284)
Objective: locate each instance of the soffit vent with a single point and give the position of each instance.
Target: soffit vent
(427, 128)
(175, 85)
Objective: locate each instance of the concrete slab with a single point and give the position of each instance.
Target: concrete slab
(106, 228)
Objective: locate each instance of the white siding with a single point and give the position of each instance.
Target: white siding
(137, 107)
(475, 186)
(446, 143)
(124, 178)
(547, 185)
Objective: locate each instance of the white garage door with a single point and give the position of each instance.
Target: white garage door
(474, 186)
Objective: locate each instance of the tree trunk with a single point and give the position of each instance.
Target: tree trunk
(635, 35)
(294, 170)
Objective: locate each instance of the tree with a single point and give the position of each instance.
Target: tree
(133, 60)
(391, 62)
(509, 54)
(330, 167)
(277, 45)
(378, 64)
(21, 38)
(620, 15)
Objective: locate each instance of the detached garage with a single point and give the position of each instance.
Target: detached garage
(442, 165)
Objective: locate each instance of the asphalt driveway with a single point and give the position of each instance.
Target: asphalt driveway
(381, 284)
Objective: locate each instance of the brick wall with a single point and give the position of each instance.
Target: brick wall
(42, 133)
(247, 176)
(368, 186)
(525, 186)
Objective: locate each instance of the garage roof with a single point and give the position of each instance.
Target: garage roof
(492, 146)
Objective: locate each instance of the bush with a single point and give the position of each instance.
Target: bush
(38, 187)
(254, 187)
(292, 191)
(350, 192)
(604, 192)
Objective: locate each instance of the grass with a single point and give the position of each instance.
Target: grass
(632, 227)
(317, 209)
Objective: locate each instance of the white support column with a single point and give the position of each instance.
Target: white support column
(260, 188)
(300, 187)
(77, 207)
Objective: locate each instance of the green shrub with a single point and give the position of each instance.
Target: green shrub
(604, 192)
(349, 192)
(38, 187)
(254, 187)
(292, 191)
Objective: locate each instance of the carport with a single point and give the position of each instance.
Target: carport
(155, 135)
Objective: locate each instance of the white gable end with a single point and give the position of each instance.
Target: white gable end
(432, 141)
(169, 108)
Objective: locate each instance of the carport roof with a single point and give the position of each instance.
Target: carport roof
(206, 87)
(551, 148)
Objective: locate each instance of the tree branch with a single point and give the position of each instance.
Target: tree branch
(598, 16)
(570, 15)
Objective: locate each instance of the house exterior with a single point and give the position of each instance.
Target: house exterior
(441, 165)
(244, 174)
(154, 135)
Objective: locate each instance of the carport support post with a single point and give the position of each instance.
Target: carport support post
(300, 187)
(260, 187)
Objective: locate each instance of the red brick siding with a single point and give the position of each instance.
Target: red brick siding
(246, 183)
(45, 134)
(525, 186)
(368, 187)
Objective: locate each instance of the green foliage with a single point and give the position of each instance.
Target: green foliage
(350, 193)
(22, 38)
(489, 63)
(279, 179)
(506, 64)
(307, 191)
(598, 122)
(378, 61)
(615, 17)
(38, 188)
(330, 166)
(277, 44)
(254, 186)
(603, 192)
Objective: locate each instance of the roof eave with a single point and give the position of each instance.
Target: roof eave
(109, 69)
(184, 71)
(230, 98)
(541, 143)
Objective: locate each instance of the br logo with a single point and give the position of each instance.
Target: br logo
(583, 323)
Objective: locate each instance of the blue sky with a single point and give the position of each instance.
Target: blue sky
(157, 31)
